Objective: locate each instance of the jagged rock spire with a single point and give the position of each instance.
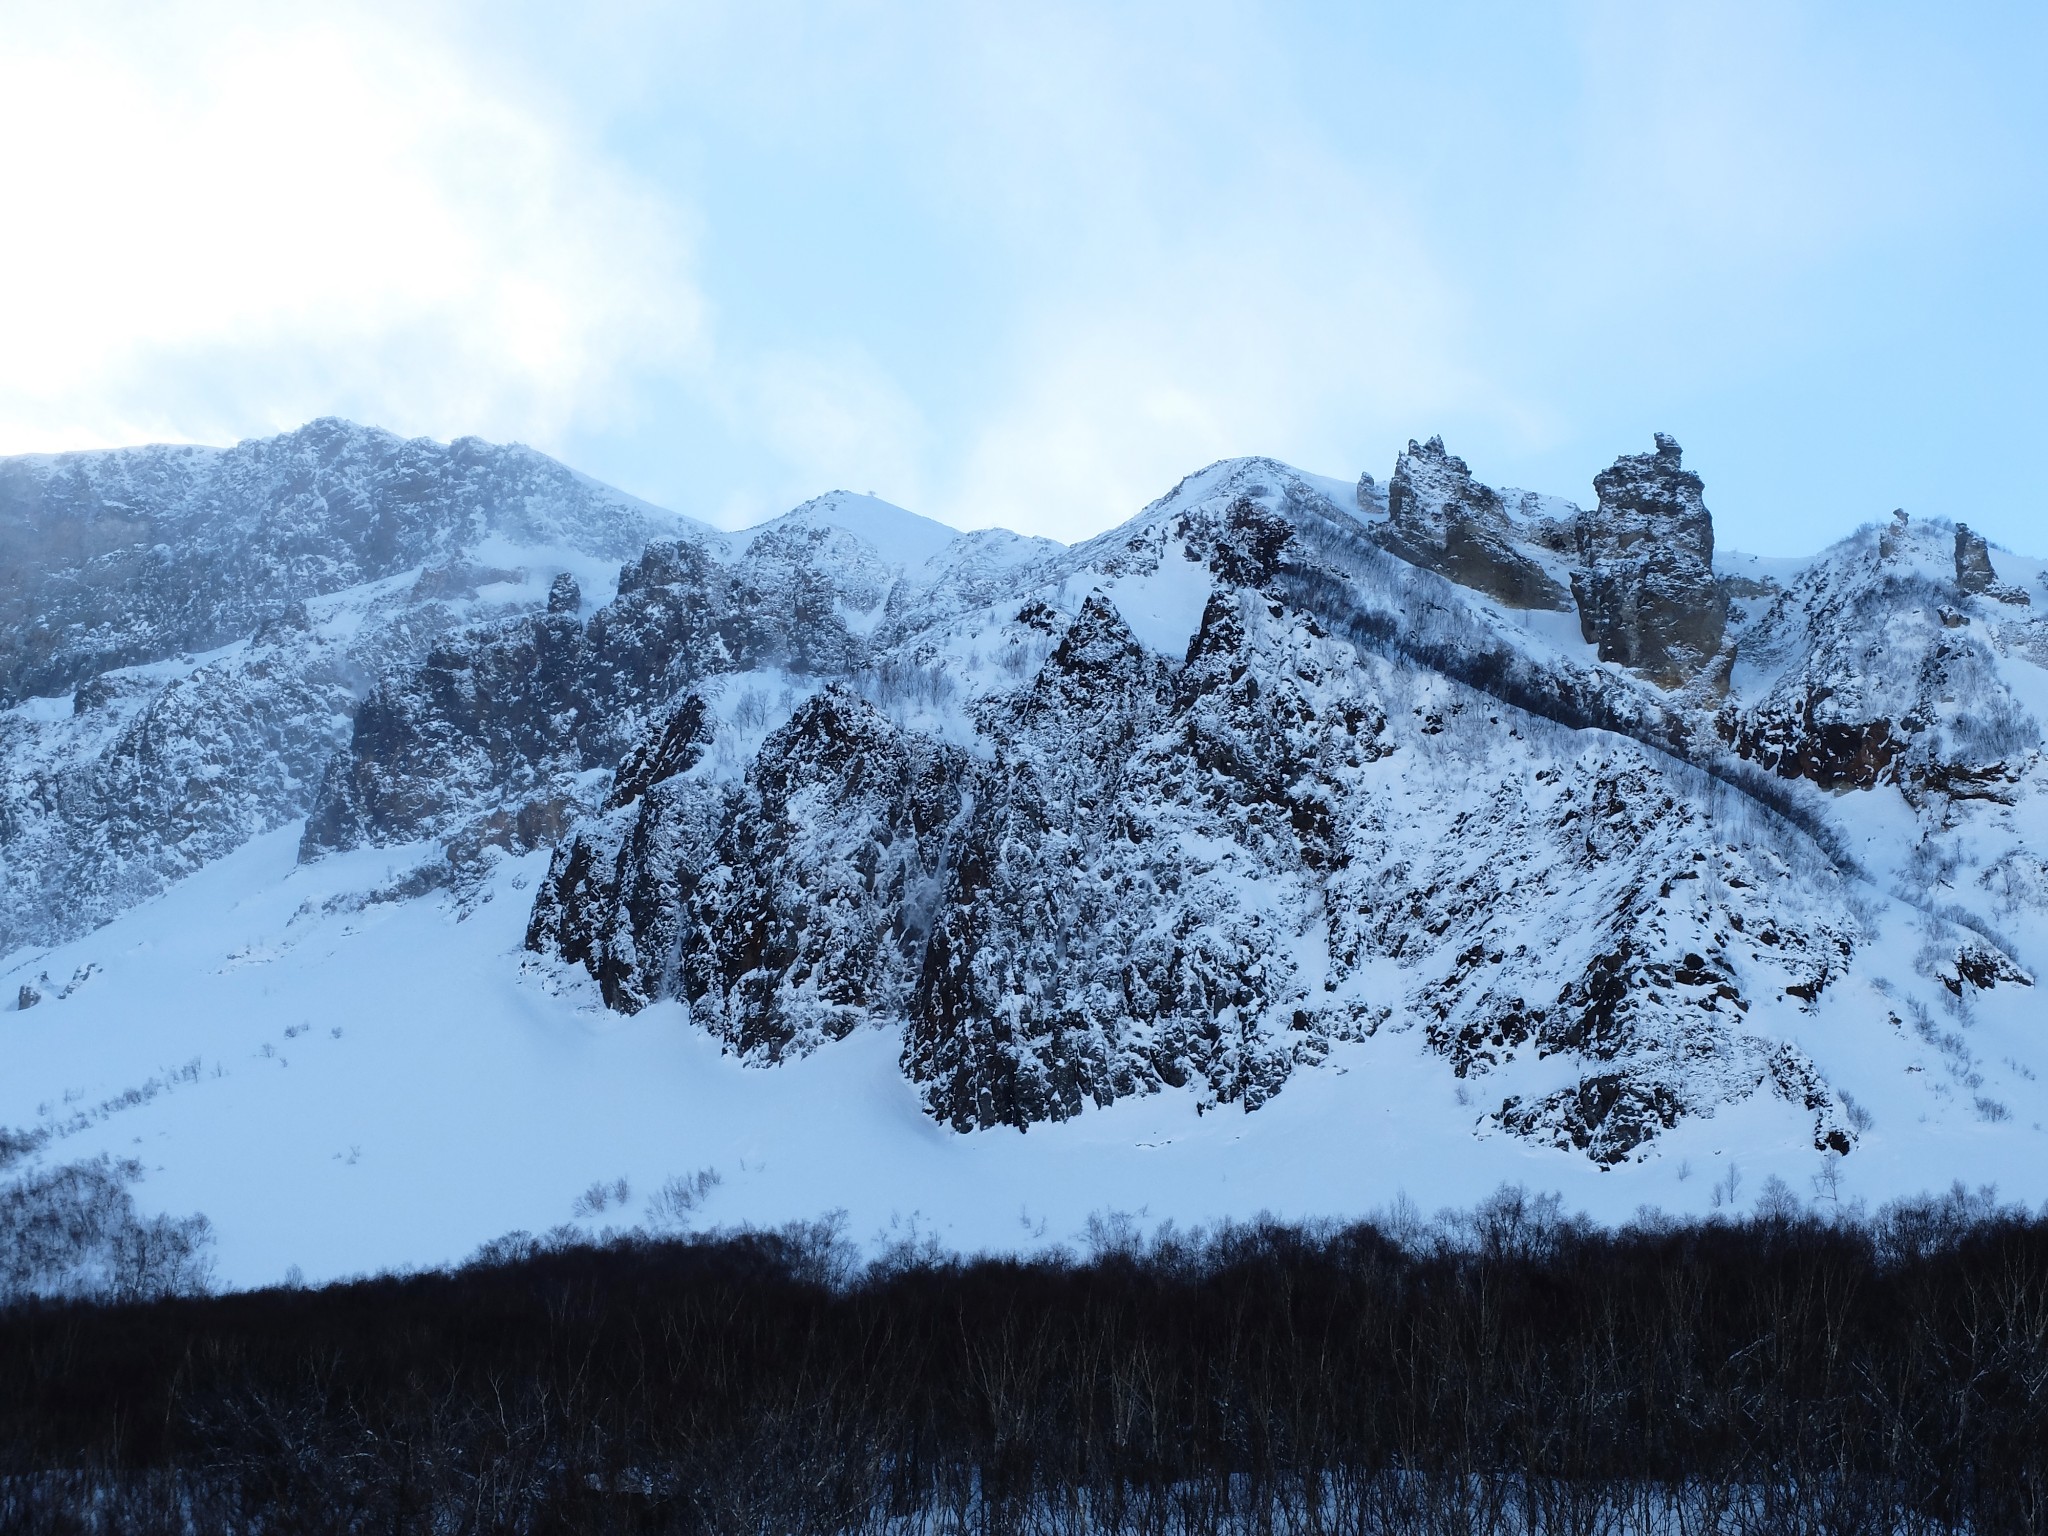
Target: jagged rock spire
(1440, 518)
(1646, 591)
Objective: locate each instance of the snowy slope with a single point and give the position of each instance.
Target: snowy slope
(469, 1094)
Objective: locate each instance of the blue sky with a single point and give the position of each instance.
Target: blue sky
(1030, 264)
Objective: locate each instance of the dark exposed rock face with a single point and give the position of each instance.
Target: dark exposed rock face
(1081, 954)
(115, 567)
(1884, 674)
(1981, 967)
(1242, 546)
(1653, 1002)
(1646, 594)
(826, 872)
(147, 778)
(1076, 953)
(1644, 580)
(1190, 871)
(1440, 518)
(531, 703)
(1973, 561)
(676, 747)
(1801, 743)
(1033, 917)
(475, 718)
(1014, 1020)
(788, 912)
(619, 892)
(1974, 572)
(1606, 1116)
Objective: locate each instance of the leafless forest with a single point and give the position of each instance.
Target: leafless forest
(1507, 1369)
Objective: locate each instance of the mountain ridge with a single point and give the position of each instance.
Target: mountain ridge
(1619, 834)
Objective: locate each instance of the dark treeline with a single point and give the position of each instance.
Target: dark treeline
(1505, 1370)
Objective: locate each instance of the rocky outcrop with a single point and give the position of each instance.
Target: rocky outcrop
(525, 707)
(619, 891)
(1099, 936)
(1974, 572)
(1151, 874)
(1880, 673)
(1640, 563)
(147, 779)
(216, 615)
(476, 723)
(1440, 518)
(1801, 742)
(786, 913)
(1973, 561)
(1370, 495)
(823, 877)
(1020, 1014)
(1646, 590)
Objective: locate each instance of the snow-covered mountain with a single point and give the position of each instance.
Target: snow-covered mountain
(1347, 838)
(185, 632)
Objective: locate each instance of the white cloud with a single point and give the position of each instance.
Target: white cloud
(223, 224)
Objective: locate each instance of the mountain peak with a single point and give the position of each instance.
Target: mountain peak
(901, 537)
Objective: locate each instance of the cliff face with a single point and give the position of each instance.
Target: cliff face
(1637, 566)
(1646, 593)
(1440, 518)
